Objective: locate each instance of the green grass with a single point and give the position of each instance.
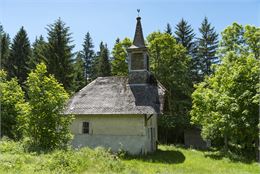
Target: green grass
(168, 159)
(171, 159)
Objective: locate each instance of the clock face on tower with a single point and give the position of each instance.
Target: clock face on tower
(137, 61)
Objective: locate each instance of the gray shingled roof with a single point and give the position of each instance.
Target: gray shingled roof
(113, 95)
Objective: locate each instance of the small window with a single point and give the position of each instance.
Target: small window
(85, 127)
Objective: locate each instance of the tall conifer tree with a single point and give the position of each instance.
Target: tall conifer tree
(168, 29)
(207, 46)
(59, 53)
(88, 55)
(104, 67)
(4, 48)
(79, 72)
(38, 54)
(184, 35)
(17, 63)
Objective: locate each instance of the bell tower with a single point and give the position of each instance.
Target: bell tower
(138, 60)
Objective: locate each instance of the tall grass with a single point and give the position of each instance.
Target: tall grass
(14, 158)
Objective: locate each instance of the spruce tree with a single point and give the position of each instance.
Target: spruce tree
(88, 55)
(17, 62)
(4, 48)
(1, 29)
(95, 66)
(117, 40)
(38, 54)
(184, 35)
(59, 53)
(104, 68)
(207, 46)
(79, 72)
(168, 29)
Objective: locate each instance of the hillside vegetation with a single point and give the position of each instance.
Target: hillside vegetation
(168, 159)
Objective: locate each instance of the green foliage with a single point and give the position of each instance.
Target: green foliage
(38, 52)
(226, 103)
(14, 158)
(17, 63)
(168, 159)
(169, 63)
(88, 56)
(79, 71)
(252, 38)
(168, 29)
(46, 127)
(241, 40)
(12, 106)
(206, 49)
(119, 62)
(4, 48)
(12, 147)
(103, 65)
(75, 161)
(185, 35)
(59, 53)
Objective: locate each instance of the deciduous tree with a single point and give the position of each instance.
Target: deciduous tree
(226, 104)
(170, 64)
(46, 127)
(119, 62)
(13, 105)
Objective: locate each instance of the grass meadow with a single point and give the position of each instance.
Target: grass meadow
(168, 159)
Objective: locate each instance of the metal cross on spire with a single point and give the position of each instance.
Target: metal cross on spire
(138, 11)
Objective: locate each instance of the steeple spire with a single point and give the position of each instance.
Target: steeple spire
(138, 59)
(138, 38)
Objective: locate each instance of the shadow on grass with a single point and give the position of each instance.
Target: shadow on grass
(160, 156)
(219, 155)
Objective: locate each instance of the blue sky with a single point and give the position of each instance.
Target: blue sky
(108, 19)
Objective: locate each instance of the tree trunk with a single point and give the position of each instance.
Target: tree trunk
(225, 143)
(257, 150)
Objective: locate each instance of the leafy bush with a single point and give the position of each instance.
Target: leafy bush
(226, 104)
(46, 127)
(13, 105)
(15, 158)
(10, 146)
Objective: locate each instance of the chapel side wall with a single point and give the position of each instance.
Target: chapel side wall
(151, 143)
(110, 124)
(116, 132)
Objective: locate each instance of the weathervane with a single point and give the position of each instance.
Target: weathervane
(138, 11)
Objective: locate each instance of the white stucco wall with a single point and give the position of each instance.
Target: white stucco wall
(127, 132)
